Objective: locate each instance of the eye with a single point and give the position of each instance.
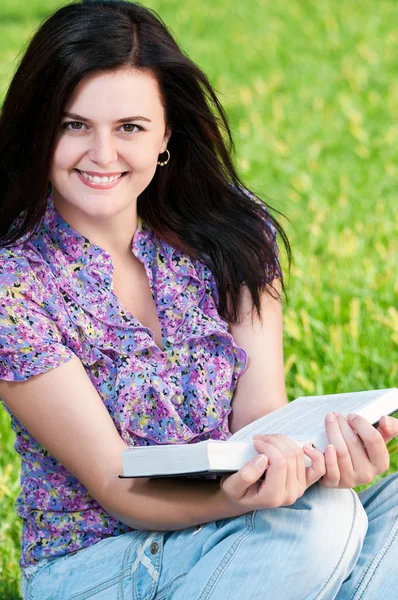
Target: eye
(78, 126)
(132, 125)
(65, 125)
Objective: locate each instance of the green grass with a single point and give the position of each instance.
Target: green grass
(311, 91)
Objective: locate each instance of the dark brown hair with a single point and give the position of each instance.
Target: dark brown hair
(197, 203)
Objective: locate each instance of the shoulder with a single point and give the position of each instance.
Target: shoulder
(11, 254)
(262, 210)
(22, 285)
(255, 199)
(15, 267)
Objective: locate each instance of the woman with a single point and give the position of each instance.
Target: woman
(140, 304)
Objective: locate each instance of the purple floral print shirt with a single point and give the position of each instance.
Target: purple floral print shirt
(56, 303)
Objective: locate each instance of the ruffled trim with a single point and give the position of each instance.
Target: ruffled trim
(181, 394)
(196, 332)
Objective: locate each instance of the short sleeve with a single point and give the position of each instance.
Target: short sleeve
(30, 342)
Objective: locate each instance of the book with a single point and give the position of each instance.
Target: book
(302, 420)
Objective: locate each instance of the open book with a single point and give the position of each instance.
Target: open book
(302, 420)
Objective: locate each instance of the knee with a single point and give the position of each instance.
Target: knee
(336, 525)
(319, 537)
(324, 525)
(381, 497)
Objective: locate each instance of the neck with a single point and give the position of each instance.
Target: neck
(113, 233)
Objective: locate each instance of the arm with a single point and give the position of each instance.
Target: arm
(56, 402)
(261, 388)
(62, 410)
(65, 414)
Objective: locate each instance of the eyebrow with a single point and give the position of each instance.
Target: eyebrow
(124, 120)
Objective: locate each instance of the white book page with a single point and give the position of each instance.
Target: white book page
(304, 417)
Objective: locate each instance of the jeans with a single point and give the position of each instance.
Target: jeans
(329, 544)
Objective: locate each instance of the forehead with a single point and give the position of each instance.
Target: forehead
(125, 92)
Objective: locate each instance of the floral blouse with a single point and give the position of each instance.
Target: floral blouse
(56, 303)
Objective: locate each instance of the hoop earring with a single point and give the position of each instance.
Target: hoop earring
(168, 158)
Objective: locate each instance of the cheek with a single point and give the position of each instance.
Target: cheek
(65, 156)
(142, 158)
(143, 170)
(144, 154)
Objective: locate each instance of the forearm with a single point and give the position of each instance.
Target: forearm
(167, 504)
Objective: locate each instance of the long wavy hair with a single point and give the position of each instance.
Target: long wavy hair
(197, 203)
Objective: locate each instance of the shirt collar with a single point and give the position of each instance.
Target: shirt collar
(77, 248)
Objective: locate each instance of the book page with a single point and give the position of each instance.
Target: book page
(303, 418)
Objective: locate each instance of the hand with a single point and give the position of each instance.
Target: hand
(357, 451)
(286, 478)
(388, 427)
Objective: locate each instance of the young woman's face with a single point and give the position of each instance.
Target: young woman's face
(93, 144)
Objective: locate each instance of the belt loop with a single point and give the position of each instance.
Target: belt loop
(198, 529)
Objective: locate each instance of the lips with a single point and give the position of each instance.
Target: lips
(98, 184)
(91, 175)
(94, 174)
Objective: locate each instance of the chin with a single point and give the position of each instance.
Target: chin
(98, 206)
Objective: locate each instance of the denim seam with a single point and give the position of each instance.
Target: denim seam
(211, 583)
(163, 593)
(138, 541)
(375, 563)
(320, 595)
(125, 572)
(125, 568)
(157, 561)
(365, 494)
(47, 562)
(31, 579)
(98, 588)
(155, 582)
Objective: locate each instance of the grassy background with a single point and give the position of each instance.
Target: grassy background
(311, 91)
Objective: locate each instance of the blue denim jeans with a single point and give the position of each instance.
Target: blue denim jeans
(329, 544)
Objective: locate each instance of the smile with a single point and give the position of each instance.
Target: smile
(96, 182)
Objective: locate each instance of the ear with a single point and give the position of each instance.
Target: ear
(166, 139)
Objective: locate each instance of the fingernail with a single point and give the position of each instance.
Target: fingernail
(388, 421)
(330, 448)
(350, 417)
(330, 418)
(308, 448)
(259, 440)
(259, 461)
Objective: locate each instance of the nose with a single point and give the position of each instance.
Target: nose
(103, 150)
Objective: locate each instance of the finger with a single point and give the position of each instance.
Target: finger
(373, 441)
(288, 447)
(301, 471)
(295, 475)
(388, 428)
(274, 485)
(237, 484)
(336, 439)
(317, 469)
(332, 475)
(359, 458)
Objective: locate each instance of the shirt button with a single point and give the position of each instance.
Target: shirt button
(154, 547)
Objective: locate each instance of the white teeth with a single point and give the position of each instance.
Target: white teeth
(97, 179)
